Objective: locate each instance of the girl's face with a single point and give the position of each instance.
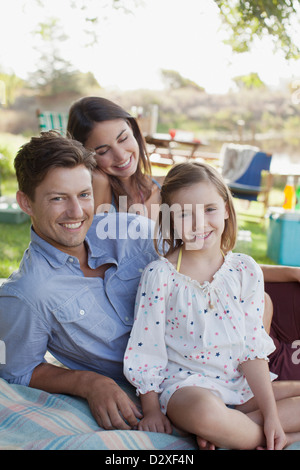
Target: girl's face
(199, 216)
(116, 147)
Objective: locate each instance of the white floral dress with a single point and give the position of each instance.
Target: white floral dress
(191, 334)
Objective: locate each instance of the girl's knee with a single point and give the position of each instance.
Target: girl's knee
(209, 411)
(203, 411)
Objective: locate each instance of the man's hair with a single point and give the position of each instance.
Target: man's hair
(50, 150)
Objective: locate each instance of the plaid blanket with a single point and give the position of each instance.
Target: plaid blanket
(33, 419)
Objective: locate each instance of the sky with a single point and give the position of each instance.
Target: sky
(182, 35)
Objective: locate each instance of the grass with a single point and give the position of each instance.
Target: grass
(14, 240)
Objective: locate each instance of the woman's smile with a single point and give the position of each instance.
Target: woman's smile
(125, 165)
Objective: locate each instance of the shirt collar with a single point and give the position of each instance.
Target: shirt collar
(53, 255)
(57, 258)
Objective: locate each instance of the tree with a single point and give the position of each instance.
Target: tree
(249, 82)
(55, 74)
(247, 19)
(174, 80)
(10, 85)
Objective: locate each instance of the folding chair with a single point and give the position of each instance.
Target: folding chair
(248, 185)
(52, 120)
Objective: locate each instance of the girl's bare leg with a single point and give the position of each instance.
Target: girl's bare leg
(287, 396)
(200, 412)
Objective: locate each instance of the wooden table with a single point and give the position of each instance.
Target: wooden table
(166, 142)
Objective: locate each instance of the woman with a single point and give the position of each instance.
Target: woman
(123, 165)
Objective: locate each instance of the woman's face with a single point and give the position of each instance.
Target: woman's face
(117, 151)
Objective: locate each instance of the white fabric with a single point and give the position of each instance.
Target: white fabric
(190, 334)
(235, 159)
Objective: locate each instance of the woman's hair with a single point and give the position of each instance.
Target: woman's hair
(181, 176)
(50, 150)
(87, 112)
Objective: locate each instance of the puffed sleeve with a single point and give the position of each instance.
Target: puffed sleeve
(146, 354)
(258, 344)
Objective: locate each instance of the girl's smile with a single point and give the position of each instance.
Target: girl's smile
(200, 215)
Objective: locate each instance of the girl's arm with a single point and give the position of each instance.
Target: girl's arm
(258, 377)
(154, 420)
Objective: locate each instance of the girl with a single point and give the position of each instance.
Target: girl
(123, 165)
(198, 339)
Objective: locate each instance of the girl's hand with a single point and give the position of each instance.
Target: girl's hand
(155, 421)
(275, 436)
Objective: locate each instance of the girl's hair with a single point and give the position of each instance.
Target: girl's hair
(87, 112)
(181, 176)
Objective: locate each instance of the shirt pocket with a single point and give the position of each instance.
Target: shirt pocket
(125, 282)
(83, 320)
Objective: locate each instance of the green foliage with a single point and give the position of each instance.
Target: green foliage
(249, 81)
(11, 85)
(9, 146)
(247, 19)
(174, 80)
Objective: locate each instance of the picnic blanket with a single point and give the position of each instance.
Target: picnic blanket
(31, 419)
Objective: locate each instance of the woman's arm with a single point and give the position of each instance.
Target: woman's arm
(258, 377)
(273, 273)
(102, 191)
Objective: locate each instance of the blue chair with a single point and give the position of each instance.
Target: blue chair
(248, 186)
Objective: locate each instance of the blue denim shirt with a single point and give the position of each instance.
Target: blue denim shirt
(84, 322)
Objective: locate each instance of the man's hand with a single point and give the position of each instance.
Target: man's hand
(110, 405)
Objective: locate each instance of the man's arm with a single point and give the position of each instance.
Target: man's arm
(26, 344)
(109, 404)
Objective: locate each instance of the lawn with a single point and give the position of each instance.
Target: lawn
(14, 239)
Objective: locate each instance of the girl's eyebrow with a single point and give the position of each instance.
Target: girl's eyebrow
(105, 145)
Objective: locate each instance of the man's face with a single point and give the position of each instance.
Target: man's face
(63, 209)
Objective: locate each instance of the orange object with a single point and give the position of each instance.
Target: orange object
(289, 195)
(172, 133)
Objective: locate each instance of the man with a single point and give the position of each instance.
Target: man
(73, 294)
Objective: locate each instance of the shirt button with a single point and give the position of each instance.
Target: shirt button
(71, 260)
(126, 318)
(82, 312)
